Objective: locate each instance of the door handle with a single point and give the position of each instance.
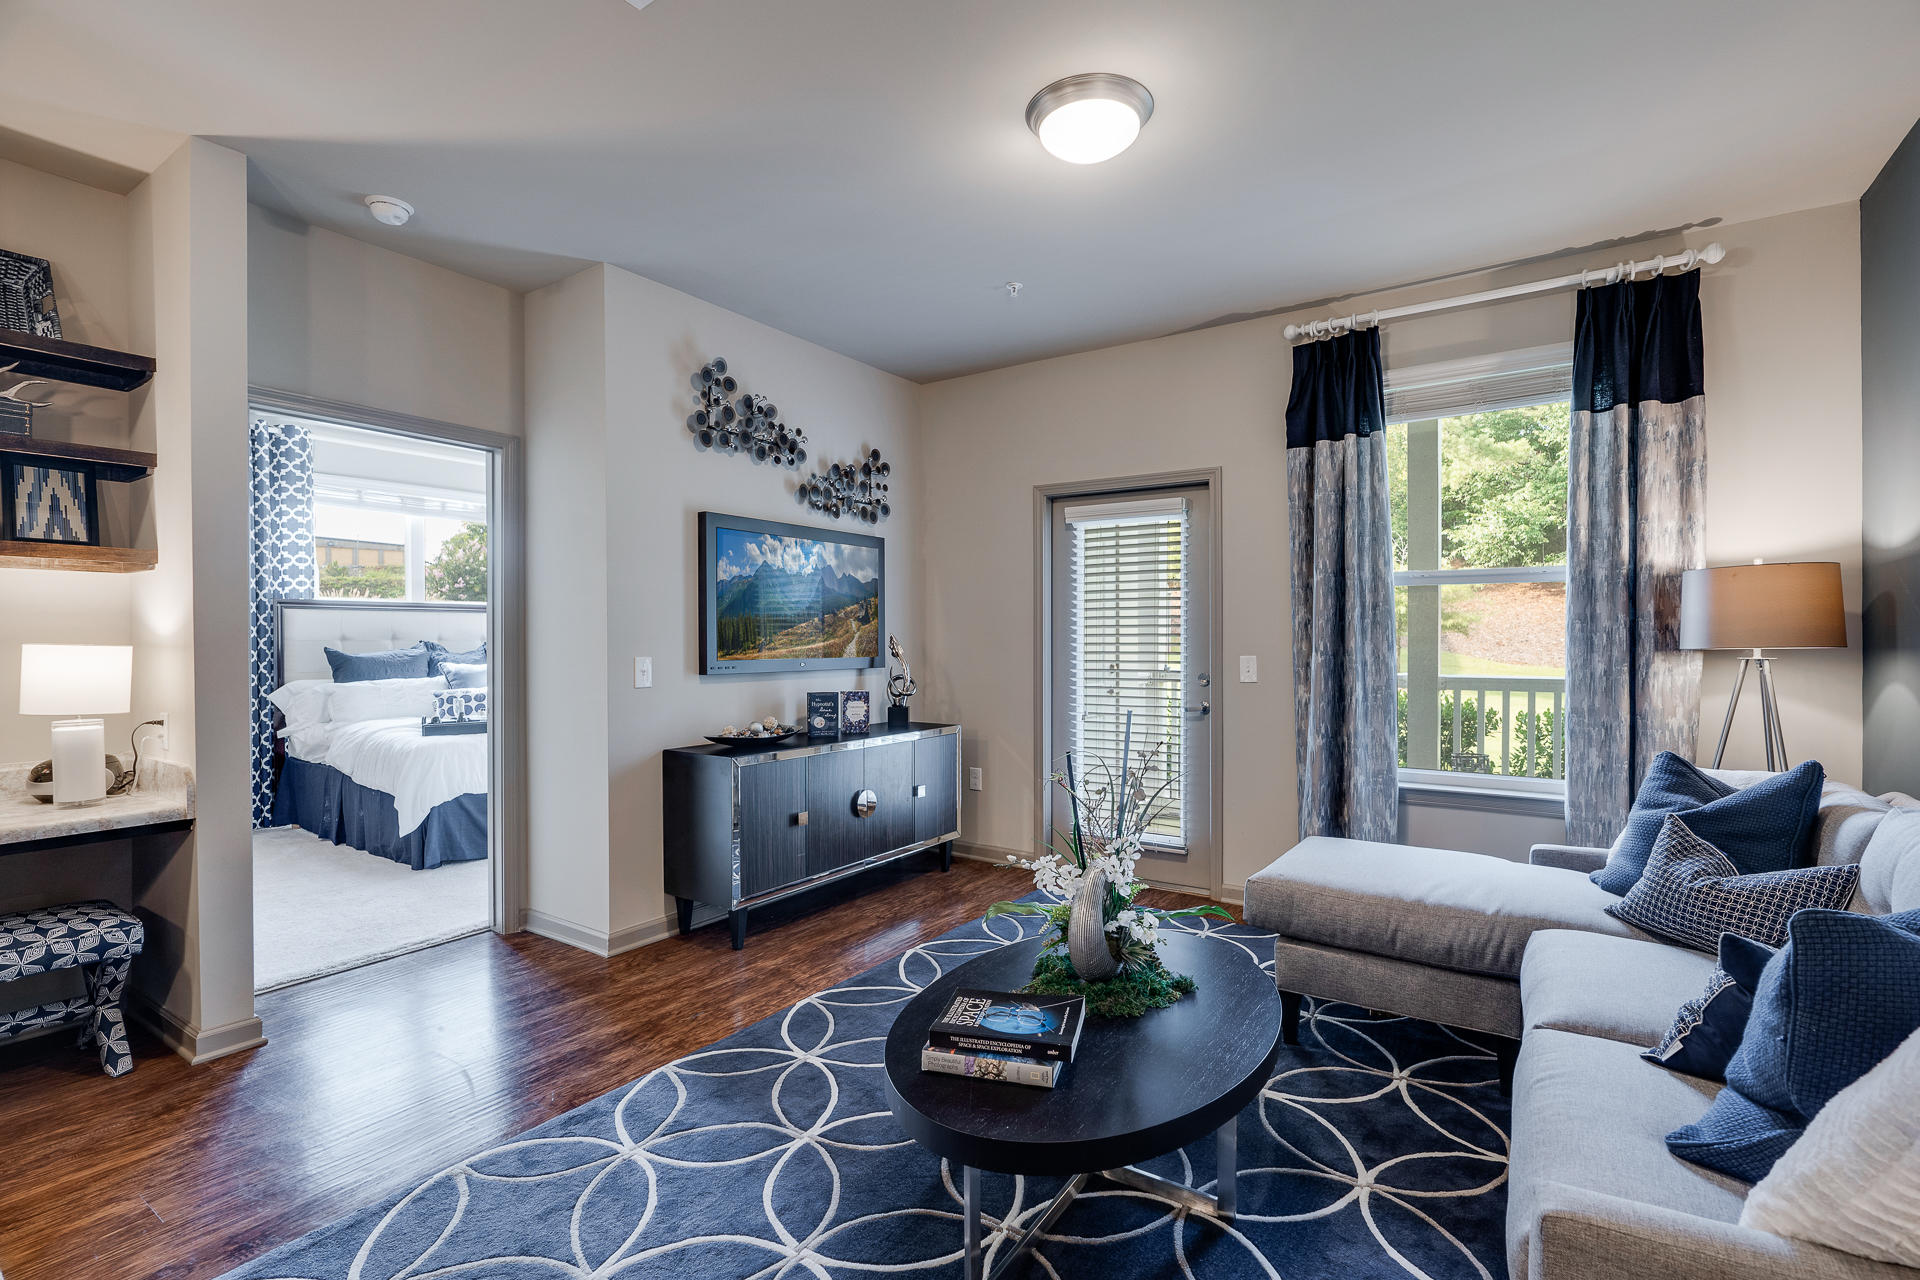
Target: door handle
(865, 803)
(800, 818)
(920, 791)
(1205, 709)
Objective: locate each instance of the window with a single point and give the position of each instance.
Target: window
(1477, 465)
(396, 546)
(1129, 569)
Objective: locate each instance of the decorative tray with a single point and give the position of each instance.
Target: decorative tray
(786, 733)
(434, 728)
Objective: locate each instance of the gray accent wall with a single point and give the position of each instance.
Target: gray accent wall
(1890, 481)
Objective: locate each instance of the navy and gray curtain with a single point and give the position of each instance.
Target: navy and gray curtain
(1636, 493)
(281, 546)
(1344, 659)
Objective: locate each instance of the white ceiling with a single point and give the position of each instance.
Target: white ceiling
(858, 172)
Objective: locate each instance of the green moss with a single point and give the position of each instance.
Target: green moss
(1127, 995)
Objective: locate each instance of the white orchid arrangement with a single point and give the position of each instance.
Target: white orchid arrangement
(1111, 809)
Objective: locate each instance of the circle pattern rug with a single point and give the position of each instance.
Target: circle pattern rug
(1378, 1148)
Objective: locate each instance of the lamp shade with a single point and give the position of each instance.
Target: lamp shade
(75, 679)
(1795, 605)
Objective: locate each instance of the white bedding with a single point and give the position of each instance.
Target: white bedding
(419, 771)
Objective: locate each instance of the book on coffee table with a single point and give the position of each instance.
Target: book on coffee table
(1042, 1028)
(993, 1066)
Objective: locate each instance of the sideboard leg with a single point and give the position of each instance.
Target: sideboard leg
(737, 921)
(685, 907)
(946, 856)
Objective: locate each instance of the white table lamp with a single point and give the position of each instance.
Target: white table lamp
(79, 682)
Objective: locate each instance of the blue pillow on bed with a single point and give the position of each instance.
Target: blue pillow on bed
(391, 664)
(438, 656)
(465, 675)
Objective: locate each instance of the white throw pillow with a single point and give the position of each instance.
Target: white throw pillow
(385, 699)
(1852, 1180)
(303, 702)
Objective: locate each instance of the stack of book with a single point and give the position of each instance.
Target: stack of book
(1000, 1035)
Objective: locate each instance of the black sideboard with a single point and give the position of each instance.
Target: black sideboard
(747, 825)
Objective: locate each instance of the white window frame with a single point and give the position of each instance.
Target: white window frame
(1454, 388)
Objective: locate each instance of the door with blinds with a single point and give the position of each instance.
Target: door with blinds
(1132, 610)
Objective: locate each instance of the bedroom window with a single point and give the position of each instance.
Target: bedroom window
(1477, 465)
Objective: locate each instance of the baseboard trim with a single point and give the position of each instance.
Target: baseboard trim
(599, 942)
(196, 1045)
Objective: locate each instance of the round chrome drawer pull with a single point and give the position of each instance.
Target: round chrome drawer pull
(865, 803)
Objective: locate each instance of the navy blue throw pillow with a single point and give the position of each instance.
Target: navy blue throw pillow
(1708, 1028)
(1837, 999)
(390, 664)
(438, 655)
(1765, 827)
(1691, 893)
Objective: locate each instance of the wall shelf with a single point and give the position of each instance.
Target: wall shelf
(62, 361)
(108, 464)
(73, 556)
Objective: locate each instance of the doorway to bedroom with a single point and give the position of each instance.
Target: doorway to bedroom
(372, 586)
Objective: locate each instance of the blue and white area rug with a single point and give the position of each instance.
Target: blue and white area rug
(1379, 1148)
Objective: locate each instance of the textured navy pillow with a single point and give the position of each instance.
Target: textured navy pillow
(1691, 893)
(465, 675)
(391, 664)
(438, 655)
(1765, 827)
(1708, 1028)
(1839, 997)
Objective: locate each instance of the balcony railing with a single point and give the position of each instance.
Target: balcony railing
(1511, 726)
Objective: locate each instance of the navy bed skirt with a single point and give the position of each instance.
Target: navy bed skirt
(325, 801)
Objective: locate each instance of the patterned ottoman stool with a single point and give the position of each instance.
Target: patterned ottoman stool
(101, 941)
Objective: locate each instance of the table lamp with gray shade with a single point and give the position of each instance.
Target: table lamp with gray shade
(1759, 607)
(80, 682)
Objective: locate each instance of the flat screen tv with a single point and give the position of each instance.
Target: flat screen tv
(788, 597)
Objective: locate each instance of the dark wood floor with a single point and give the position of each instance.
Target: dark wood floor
(374, 1079)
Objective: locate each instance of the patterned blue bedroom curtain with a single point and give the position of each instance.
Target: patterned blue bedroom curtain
(1345, 677)
(1636, 492)
(281, 545)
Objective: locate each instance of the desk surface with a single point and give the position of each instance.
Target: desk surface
(163, 797)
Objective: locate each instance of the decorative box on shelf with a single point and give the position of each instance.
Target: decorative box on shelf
(745, 827)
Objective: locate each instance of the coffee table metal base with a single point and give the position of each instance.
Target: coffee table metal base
(1220, 1204)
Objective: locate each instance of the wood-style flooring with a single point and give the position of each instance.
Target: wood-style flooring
(374, 1079)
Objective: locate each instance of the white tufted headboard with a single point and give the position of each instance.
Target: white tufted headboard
(305, 629)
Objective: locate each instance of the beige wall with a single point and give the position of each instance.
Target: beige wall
(339, 319)
(1782, 349)
(628, 472)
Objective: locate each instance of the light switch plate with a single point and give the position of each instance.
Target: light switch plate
(643, 673)
(975, 779)
(1249, 669)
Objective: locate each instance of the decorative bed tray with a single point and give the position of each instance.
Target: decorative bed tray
(429, 727)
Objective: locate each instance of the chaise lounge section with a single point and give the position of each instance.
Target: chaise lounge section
(1527, 952)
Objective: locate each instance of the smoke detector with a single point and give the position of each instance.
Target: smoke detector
(389, 209)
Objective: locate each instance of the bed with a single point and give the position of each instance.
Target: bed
(371, 780)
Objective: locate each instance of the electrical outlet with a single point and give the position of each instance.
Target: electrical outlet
(975, 779)
(643, 673)
(1249, 669)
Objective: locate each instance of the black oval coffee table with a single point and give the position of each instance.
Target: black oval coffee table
(1137, 1087)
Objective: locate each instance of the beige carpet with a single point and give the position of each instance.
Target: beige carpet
(319, 908)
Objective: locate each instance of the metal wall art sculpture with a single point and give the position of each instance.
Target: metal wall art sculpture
(857, 489)
(749, 424)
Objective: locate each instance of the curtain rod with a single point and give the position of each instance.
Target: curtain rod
(1578, 280)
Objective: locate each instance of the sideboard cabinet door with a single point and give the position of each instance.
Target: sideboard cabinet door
(836, 836)
(773, 840)
(890, 778)
(936, 777)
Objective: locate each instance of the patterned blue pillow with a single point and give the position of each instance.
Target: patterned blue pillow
(1765, 827)
(1839, 997)
(438, 655)
(1692, 893)
(1708, 1028)
(390, 664)
(460, 704)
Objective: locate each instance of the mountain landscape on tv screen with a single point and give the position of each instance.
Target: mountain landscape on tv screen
(781, 598)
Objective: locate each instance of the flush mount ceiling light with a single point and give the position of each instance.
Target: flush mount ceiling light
(1090, 118)
(391, 210)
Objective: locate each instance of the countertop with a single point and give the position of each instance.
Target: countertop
(163, 794)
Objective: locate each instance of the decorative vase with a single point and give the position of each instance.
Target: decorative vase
(1087, 930)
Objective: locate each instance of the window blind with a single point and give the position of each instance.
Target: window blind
(1127, 640)
(1504, 381)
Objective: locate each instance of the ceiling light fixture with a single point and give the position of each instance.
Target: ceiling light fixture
(391, 210)
(1089, 118)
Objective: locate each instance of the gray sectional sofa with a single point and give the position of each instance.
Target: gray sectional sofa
(1527, 952)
